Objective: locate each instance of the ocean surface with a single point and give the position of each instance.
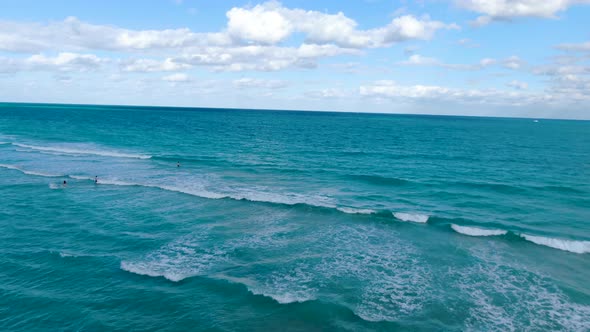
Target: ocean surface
(291, 221)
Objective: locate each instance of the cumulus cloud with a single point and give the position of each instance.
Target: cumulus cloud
(265, 24)
(270, 23)
(73, 34)
(495, 10)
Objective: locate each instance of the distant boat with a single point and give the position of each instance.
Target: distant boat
(535, 120)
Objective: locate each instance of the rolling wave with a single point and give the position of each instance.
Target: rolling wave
(350, 210)
(574, 246)
(474, 231)
(578, 247)
(102, 153)
(409, 217)
(16, 168)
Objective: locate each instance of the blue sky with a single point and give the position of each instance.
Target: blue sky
(467, 57)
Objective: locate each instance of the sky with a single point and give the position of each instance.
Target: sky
(524, 58)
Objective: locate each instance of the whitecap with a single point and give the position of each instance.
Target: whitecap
(578, 247)
(350, 210)
(418, 218)
(474, 231)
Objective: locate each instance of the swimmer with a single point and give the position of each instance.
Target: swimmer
(96, 179)
(178, 164)
(65, 183)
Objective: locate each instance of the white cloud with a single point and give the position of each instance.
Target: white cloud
(419, 60)
(151, 65)
(495, 10)
(73, 34)
(263, 24)
(64, 62)
(177, 78)
(513, 62)
(251, 41)
(259, 83)
(271, 23)
(390, 90)
(260, 57)
(576, 47)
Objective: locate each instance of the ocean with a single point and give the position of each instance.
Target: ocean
(251, 220)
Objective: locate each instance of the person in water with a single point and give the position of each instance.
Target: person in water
(96, 179)
(178, 164)
(65, 183)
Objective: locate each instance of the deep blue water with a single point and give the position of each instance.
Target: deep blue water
(296, 221)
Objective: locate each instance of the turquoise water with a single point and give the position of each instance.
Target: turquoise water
(291, 221)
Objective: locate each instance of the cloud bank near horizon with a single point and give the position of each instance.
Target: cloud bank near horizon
(272, 55)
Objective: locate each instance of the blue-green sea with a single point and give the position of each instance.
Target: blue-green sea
(249, 220)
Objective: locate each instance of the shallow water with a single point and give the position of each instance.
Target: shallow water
(291, 221)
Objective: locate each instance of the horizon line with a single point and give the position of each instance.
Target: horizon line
(290, 110)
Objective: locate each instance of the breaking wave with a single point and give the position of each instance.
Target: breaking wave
(578, 247)
(418, 218)
(102, 153)
(474, 231)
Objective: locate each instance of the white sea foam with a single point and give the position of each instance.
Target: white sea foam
(578, 247)
(535, 302)
(389, 280)
(474, 231)
(419, 218)
(288, 286)
(188, 256)
(355, 210)
(103, 153)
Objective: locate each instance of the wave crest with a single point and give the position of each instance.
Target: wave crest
(418, 218)
(29, 172)
(350, 210)
(474, 231)
(102, 153)
(578, 247)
